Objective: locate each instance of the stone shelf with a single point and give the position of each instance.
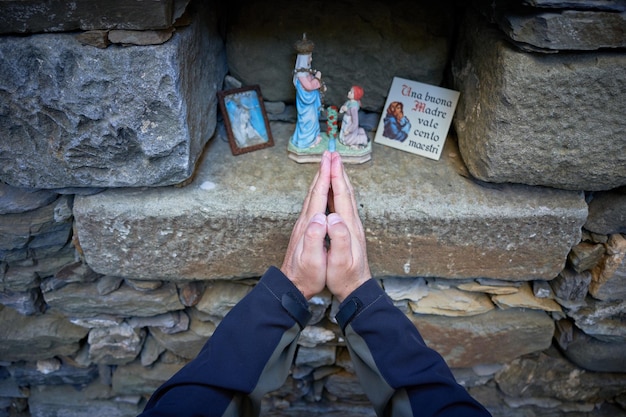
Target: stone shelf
(422, 218)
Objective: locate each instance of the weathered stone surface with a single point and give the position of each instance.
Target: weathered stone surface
(575, 30)
(220, 297)
(78, 116)
(40, 373)
(185, 344)
(93, 400)
(555, 377)
(140, 37)
(19, 200)
(84, 300)
(498, 336)
(134, 379)
(315, 357)
(27, 302)
(604, 320)
(37, 337)
(312, 336)
(151, 351)
(345, 385)
(578, 4)
(590, 353)
(489, 289)
(525, 298)
(405, 288)
(69, 274)
(515, 120)
(570, 286)
(115, 345)
(585, 256)
(27, 234)
(452, 302)
(28, 16)
(608, 278)
(442, 225)
(607, 212)
(354, 44)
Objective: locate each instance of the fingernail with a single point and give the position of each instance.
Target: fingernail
(334, 218)
(319, 218)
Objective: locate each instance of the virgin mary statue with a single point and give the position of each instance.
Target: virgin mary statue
(308, 98)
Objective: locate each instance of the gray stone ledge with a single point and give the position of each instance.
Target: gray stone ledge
(422, 218)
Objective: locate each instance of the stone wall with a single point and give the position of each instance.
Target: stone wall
(128, 229)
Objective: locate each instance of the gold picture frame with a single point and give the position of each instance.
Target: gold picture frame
(245, 119)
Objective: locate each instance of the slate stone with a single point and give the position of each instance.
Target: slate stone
(590, 353)
(496, 337)
(609, 276)
(185, 344)
(115, 345)
(421, 218)
(19, 200)
(123, 116)
(555, 377)
(93, 400)
(551, 30)
(84, 300)
(31, 374)
(585, 256)
(603, 320)
(37, 337)
(355, 42)
(29, 16)
(539, 119)
(570, 285)
(134, 379)
(607, 212)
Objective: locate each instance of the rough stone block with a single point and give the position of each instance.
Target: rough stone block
(498, 336)
(37, 337)
(421, 219)
(355, 42)
(94, 399)
(77, 116)
(607, 212)
(29, 16)
(125, 301)
(539, 119)
(563, 28)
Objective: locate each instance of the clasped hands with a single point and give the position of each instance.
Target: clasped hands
(311, 264)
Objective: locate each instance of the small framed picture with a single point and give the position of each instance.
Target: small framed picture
(245, 119)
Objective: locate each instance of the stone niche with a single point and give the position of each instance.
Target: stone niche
(128, 229)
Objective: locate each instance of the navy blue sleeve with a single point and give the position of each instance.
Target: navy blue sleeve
(398, 372)
(248, 355)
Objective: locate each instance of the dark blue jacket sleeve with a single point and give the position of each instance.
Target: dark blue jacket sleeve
(398, 372)
(248, 355)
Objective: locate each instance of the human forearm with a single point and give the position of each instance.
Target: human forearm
(248, 355)
(394, 365)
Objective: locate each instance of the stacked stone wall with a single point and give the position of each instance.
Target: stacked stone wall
(128, 230)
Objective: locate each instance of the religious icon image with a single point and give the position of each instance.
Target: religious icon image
(245, 119)
(396, 125)
(309, 141)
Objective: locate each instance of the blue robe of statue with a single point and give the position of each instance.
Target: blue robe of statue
(308, 104)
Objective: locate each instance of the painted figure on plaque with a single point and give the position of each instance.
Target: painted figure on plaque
(309, 87)
(396, 125)
(351, 134)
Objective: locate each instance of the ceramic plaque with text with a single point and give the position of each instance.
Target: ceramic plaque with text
(416, 117)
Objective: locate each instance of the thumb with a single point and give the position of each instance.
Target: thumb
(340, 242)
(313, 241)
